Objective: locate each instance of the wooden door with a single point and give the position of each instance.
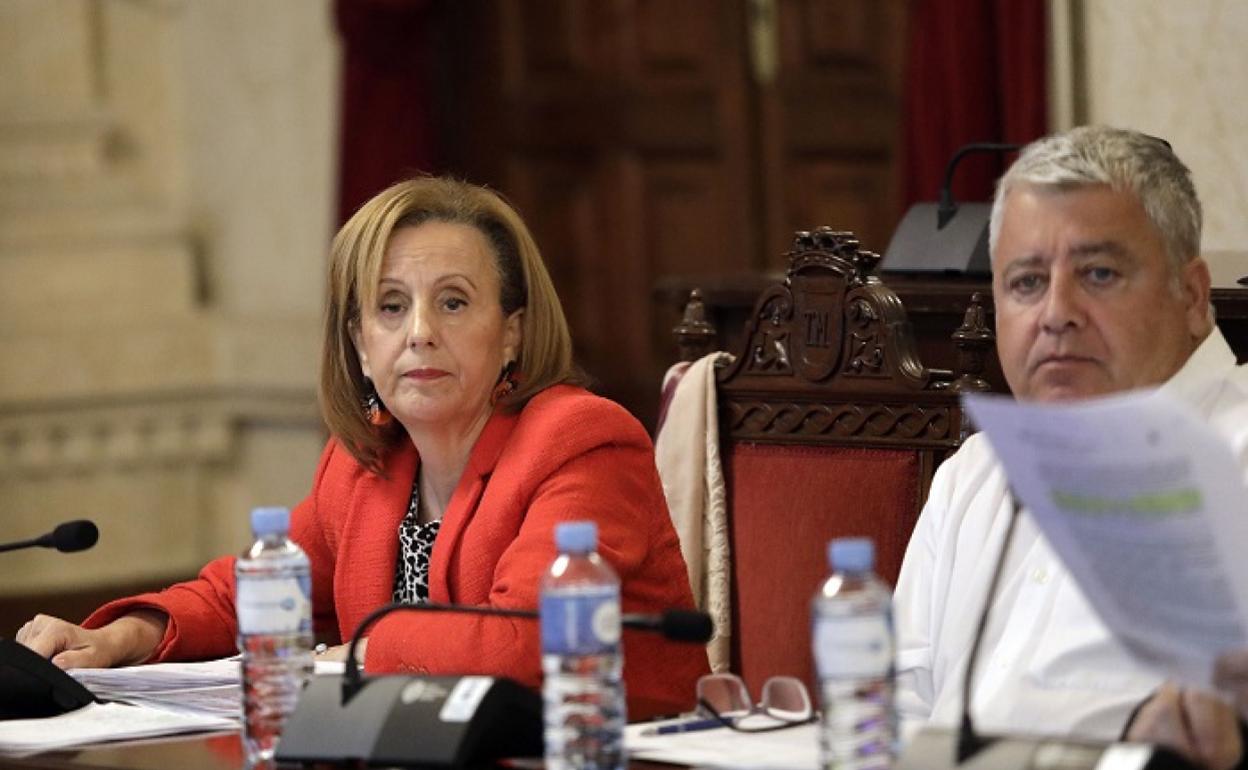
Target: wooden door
(648, 138)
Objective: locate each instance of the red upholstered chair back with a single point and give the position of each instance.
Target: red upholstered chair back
(830, 426)
(785, 504)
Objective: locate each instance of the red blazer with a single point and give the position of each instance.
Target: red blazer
(567, 455)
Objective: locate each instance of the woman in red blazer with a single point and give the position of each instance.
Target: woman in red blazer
(459, 440)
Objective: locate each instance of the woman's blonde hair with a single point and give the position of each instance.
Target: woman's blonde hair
(354, 272)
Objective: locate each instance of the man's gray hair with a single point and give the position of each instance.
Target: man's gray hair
(1127, 161)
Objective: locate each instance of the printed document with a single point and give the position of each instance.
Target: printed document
(209, 688)
(141, 702)
(1147, 507)
(795, 748)
(97, 722)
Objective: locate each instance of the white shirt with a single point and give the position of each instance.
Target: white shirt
(1046, 663)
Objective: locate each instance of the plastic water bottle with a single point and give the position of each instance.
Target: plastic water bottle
(583, 691)
(273, 597)
(852, 637)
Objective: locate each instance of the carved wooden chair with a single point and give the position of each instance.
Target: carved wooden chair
(829, 426)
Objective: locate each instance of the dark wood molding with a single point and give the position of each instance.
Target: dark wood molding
(828, 356)
(899, 424)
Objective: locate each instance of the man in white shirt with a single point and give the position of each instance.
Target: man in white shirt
(1099, 288)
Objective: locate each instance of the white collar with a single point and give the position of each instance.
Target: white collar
(1206, 368)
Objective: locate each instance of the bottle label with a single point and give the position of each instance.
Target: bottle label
(581, 623)
(274, 605)
(853, 646)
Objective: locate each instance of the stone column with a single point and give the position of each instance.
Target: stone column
(159, 275)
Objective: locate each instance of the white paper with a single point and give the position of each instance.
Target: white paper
(795, 748)
(98, 722)
(143, 702)
(209, 688)
(1145, 505)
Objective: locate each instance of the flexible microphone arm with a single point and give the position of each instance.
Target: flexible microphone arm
(947, 207)
(78, 535)
(351, 681)
(969, 741)
(678, 625)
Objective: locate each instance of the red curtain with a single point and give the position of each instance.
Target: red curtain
(975, 73)
(386, 130)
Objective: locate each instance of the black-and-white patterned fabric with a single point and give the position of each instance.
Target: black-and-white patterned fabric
(411, 575)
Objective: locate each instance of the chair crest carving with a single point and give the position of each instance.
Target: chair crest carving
(829, 355)
(831, 321)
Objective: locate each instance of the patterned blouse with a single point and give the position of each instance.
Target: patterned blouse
(411, 574)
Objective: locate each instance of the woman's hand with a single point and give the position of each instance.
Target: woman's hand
(1200, 726)
(127, 640)
(339, 652)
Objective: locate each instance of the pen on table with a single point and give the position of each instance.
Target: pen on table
(687, 726)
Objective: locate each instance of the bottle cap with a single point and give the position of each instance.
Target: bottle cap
(576, 536)
(851, 554)
(270, 520)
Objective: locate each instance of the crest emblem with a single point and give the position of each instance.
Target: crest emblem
(817, 346)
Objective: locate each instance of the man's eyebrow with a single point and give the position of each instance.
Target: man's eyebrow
(1110, 248)
(1025, 263)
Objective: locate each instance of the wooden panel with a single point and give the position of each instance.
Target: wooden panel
(832, 116)
(674, 40)
(834, 34)
(546, 40)
(845, 195)
(557, 198)
(682, 201)
(635, 139)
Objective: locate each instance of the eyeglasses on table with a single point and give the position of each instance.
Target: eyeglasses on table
(725, 698)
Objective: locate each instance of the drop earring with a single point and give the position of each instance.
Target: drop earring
(374, 411)
(506, 383)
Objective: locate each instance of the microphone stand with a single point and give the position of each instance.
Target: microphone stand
(351, 679)
(434, 721)
(969, 741)
(945, 236)
(947, 207)
(34, 542)
(412, 720)
(676, 625)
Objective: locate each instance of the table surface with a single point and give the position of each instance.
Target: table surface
(206, 751)
(214, 751)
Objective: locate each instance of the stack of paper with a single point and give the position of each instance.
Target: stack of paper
(142, 702)
(207, 689)
(101, 722)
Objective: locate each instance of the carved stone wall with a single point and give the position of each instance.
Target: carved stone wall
(166, 181)
(1170, 69)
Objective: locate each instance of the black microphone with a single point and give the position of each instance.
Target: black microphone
(69, 537)
(946, 236)
(935, 748)
(401, 719)
(691, 626)
(947, 207)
